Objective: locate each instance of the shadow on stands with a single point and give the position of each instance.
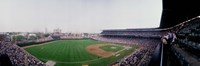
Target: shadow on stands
(164, 56)
(4, 60)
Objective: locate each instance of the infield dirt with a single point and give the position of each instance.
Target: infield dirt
(95, 49)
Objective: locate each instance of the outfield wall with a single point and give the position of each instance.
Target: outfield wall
(35, 43)
(31, 43)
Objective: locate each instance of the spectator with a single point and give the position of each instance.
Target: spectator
(167, 41)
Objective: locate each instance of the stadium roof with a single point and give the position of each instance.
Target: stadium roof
(177, 11)
(138, 29)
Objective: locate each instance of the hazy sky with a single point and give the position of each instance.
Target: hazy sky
(78, 15)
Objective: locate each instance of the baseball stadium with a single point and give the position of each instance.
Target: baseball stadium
(176, 42)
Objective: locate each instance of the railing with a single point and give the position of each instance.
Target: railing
(161, 57)
(157, 58)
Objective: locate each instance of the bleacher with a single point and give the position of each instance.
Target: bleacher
(18, 56)
(187, 45)
(146, 33)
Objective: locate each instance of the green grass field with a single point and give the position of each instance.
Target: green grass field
(74, 53)
(112, 48)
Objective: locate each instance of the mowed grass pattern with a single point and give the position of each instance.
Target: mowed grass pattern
(71, 53)
(112, 48)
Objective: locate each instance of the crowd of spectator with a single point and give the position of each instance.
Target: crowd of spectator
(188, 37)
(141, 56)
(153, 33)
(44, 39)
(18, 56)
(49, 38)
(25, 41)
(72, 36)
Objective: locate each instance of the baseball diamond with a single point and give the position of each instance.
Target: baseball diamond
(79, 52)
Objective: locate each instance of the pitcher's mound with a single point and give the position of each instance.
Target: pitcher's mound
(113, 47)
(85, 65)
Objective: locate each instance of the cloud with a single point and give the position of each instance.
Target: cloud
(78, 15)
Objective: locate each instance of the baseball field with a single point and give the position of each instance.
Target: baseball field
(84, 52)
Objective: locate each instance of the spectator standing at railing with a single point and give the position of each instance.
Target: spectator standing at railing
(169, 38)
(167, 42)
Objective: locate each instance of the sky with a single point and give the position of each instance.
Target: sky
(77, 16)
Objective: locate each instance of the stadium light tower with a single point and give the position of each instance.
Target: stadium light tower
(45, 30)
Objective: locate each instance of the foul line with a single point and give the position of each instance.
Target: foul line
(74, 62)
